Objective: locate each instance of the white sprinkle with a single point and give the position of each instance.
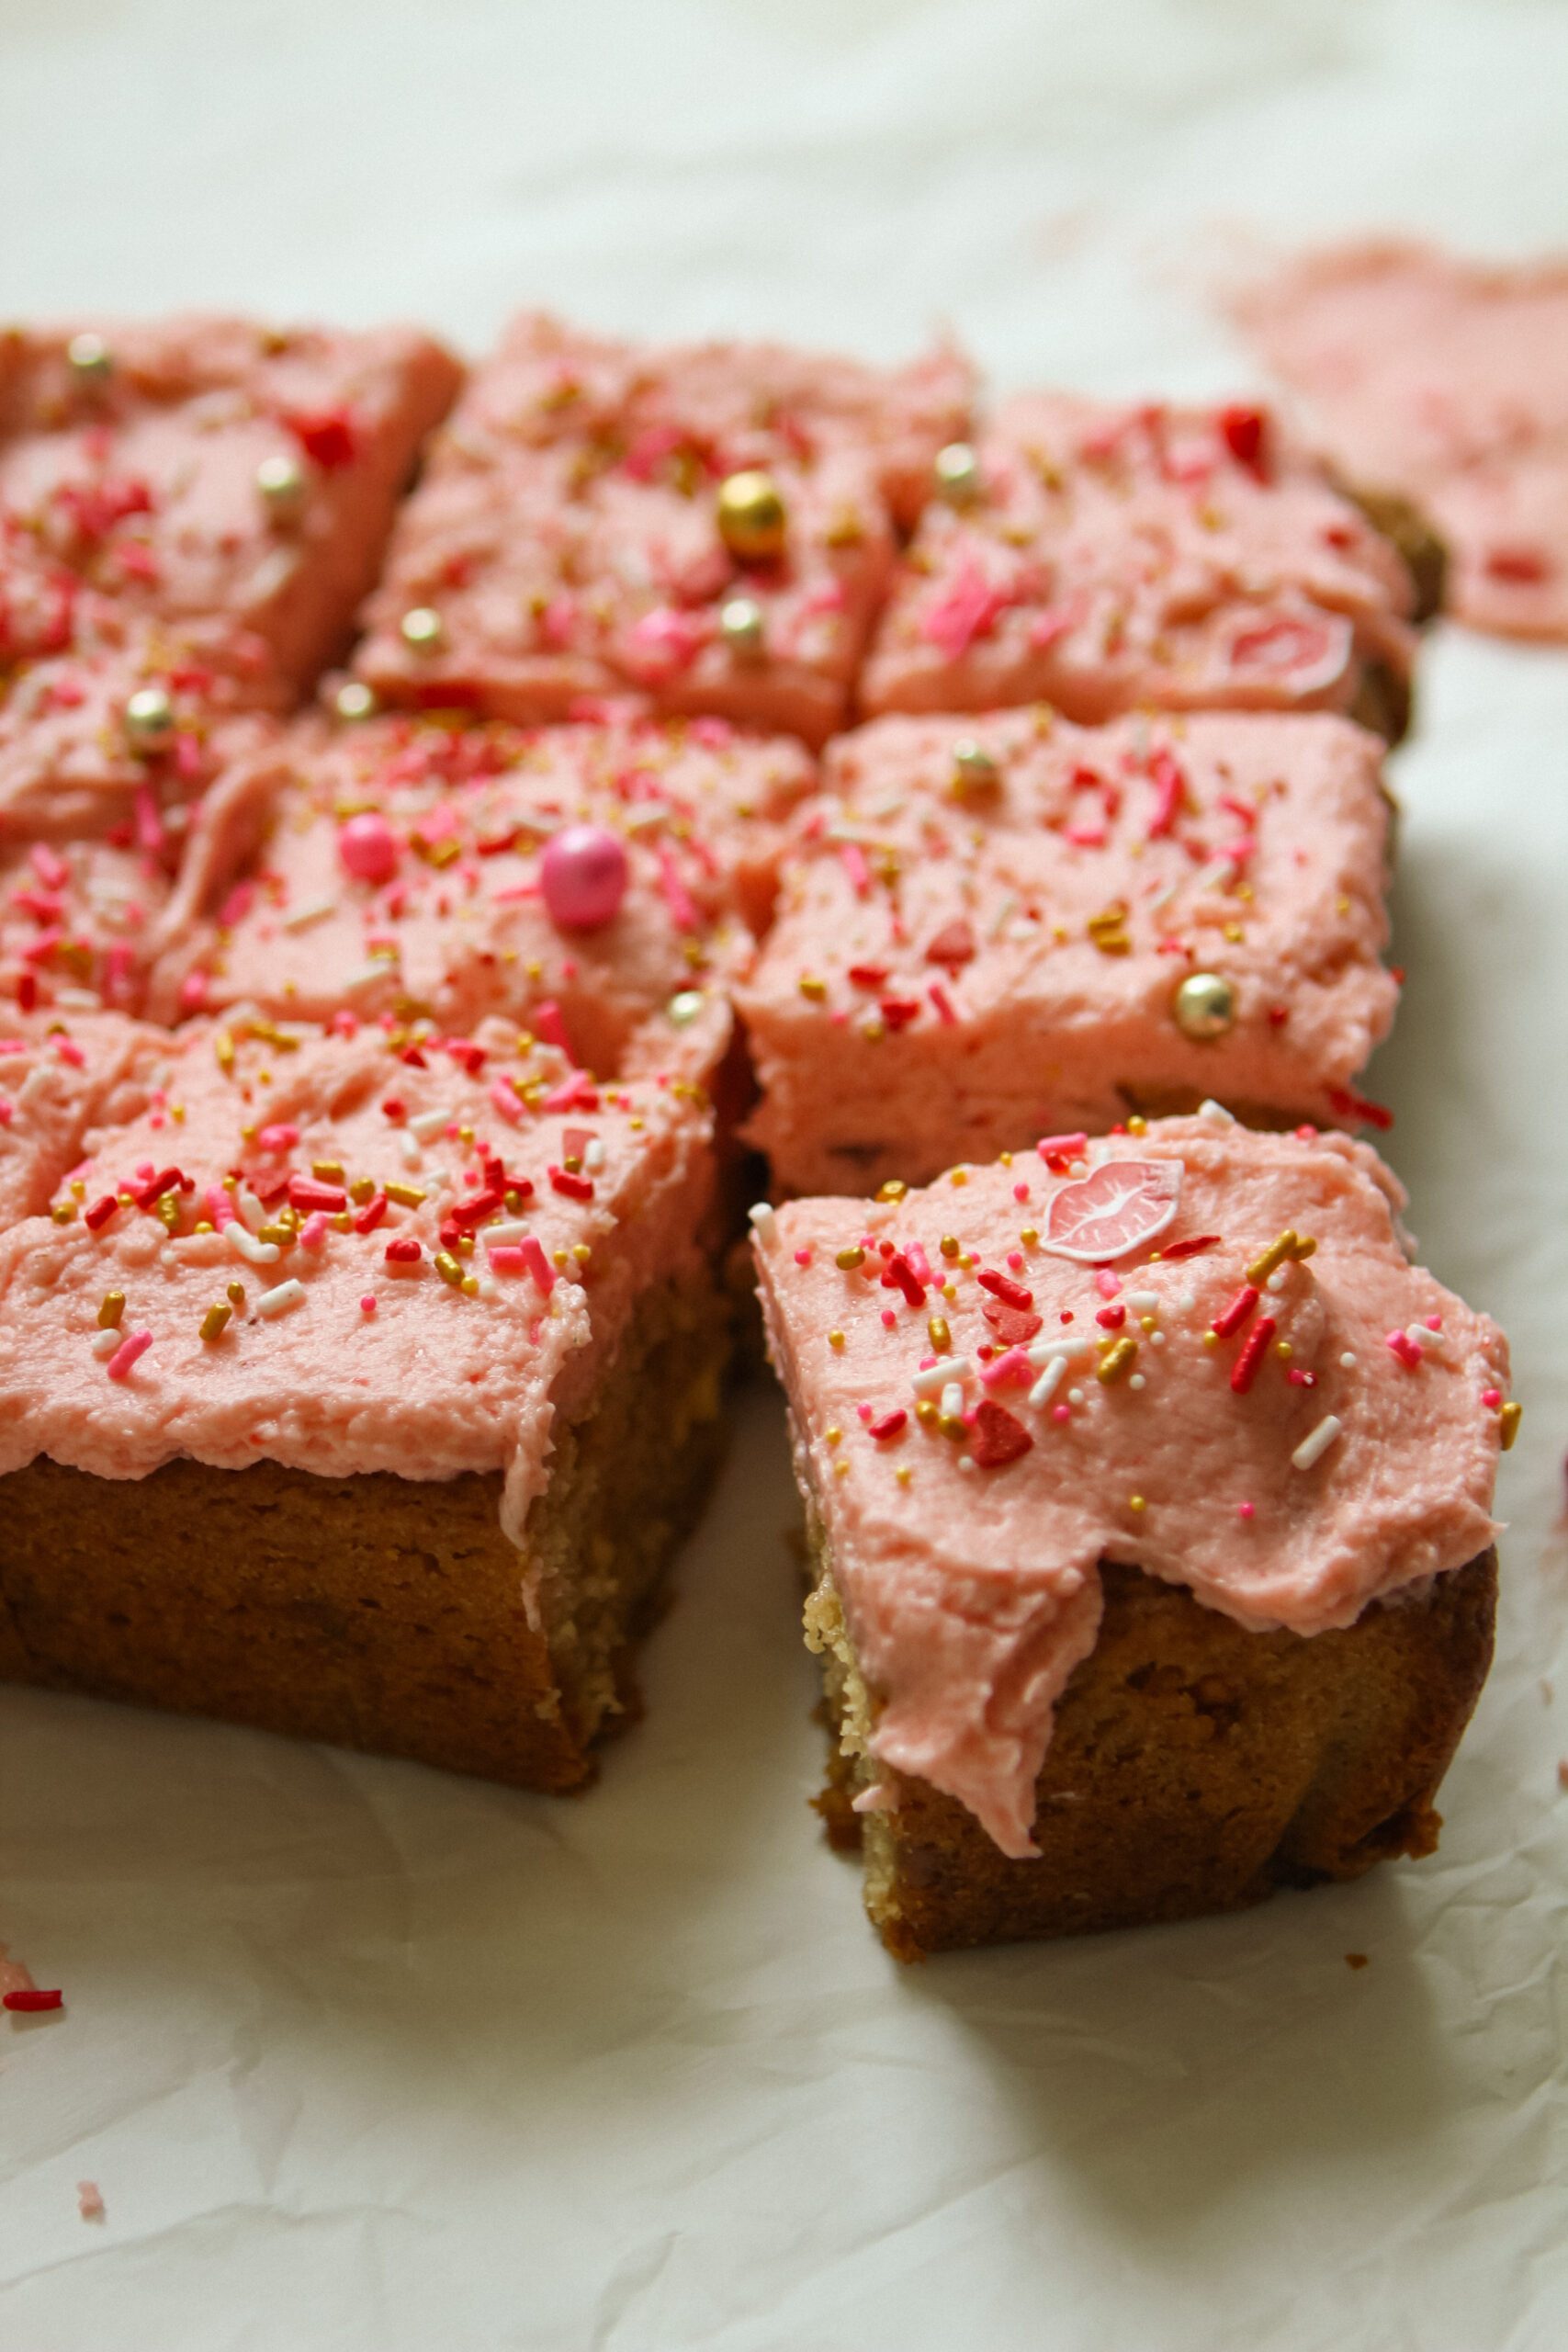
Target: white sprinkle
(1136, 1380)
(966, 1461)
(368, 974)
(764, 1224)
(951, 1399)
(500, 1236)
(78, 999)
(250, 1208)
(1075, 1396)
(1049, 1381)
(1044, 1351)
(427, 1124)
(411, 1155)
(593, 1156)
(1157, 1339)
(1188, 1301)
(279, 1301)
(1213, 1110)
(168, 1255)
(946, 1372)
(1319, 1441)
(1276, 1281)
(245, 1245)
(303, 917)
(488, 1286)
(36, 1082)
(1424, 1337)
(1142, 1302)
(1347, 1361)
(1215, 875)
(1077, 1167)
(106, 1342)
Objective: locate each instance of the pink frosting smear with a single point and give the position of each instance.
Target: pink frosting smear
(982, 924)
(403, 863)
(502, 1216)
(1289, 1447)
(1106, 558)
(566, 535)
(138, 477)
(61, 1079)
(1446, 379)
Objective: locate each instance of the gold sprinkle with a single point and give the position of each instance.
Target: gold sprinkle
(833, 1436)
(1508, 1421)
(64, 1212)
(1262, 1266)
(1304, 1249)
(215, 1319)
(840, 1469)
(223, 1047)
(894, 1190)
(582, 1251)
(1284, 1350)
(1137, 1124)
(362, 1190)
(835, 1340)
(327, 1172)
(111, 1309)
(78, 1189)
(1136, 1502)
(926, 1414)
(237, 1294)
(953, 1426)
(903, 1474)
(1145, 1323)
(1119, 1357)
(948, 1245)
(1211, 1339)
(939, 1335)
(848, 1260)
(959, 1176)
(448, 1267)
(407, 1196)
(471, 1286)
(1029, 1237)
(560, 1260)
(814, 989)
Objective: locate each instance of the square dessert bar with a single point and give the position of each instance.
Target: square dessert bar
(1150, 1499)
(993, 929)
(1107, 559)
(712, 526)
(600, 882)
(210, 470)
(362, 1391)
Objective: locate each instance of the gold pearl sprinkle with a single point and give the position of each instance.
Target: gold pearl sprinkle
(89, 358)
(892, 1190)
(1204, 1006)
(948, 1245)
(752, 520)
(236, 1293)
(833, 1436)
(1136, 1502)
(848, 1260)
(421, 628)
(835, 1340)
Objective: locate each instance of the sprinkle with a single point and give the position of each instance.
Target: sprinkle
(835, 1340)
(28, 2000)
(1243, 1371)
(951, 1402)
(215, 1320)
(1247, 1510)
(1143, 1301)
(889, 1425)
(1010, 1293)
(1136, 1502)
(1188, 1248)
(1210, 1109)
(126, 1353)
(999, 1437)
(1348, 1361)
(278, 1300)
(1117, 1358)
(1508, 1421)
(245, 1245)
(1231, 1318)
(938, 1333)
(407, 1196)
(1262, 1266)
(100, 1212)
(367, 1303)
(111, 1308)
(948, 1245)
(1405, 1349)
(848, 1260)
(450, 1269)
(104, 1343)
(538, 1265)
(764, 1222)
(427, 1124)
(1049, 1381)
(1318, 1441)
(403, 1251)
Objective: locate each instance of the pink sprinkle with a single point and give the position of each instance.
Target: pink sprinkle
(855, 866)
(864, 1412)
(506, 1257)
(1405, 1349)
(1492, 1397)
(503, 1100)
(1108, 1284)
(314, 1232)
(1020, 1191)
(1245, 1510)
(1015, 1259)
(1012, 1364)
(888, 1319)
(126, 1353)
(1434, 1322)
(367, 1303)
(967, 606)
(1061, 1412)
(281, 1138)
(803, 1257)
(538, 1265)
(69, 1051)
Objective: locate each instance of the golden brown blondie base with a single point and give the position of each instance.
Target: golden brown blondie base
(380, 1612)
(1195, 1767)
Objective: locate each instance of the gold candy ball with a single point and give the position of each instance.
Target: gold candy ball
(354, 699)
(974, 770)
(685, 1006)
(1204, 1006)
(957, 472)
(91, 360)
(148, 718)
(281, 481)
(423, 628)
(752, 520)
(741, 627)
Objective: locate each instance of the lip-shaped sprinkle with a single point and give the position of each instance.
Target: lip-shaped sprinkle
(1124, 1206)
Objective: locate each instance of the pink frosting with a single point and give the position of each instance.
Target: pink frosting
(60, 1079)
(566, 532)
(1117, 558)
(142, 484)
(959, 967)
(459, 924)
(1449, 380)
(429, 1382)
(969, 1579)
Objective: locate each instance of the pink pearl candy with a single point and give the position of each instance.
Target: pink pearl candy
(368, 848)
(584, 877)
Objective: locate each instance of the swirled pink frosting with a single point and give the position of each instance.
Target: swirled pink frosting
(1113, 558)
(969, 1571)
(426, 1382)
(61, 1078)
(958, 966)
(457, 925)
(1447, 378)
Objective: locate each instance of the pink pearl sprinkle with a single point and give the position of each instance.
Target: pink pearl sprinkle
(1247, 1510)
(803, 1257)
(584, 877)
(1020, 1191)
(126, 1354)
(888, 1319)
(1434, 1322)
(1061, 1412)
(368, 847)
(1015, 1259)
(367, 1303)
(1492, 1397)
(864, 1412)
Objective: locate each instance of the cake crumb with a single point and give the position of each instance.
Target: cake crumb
(1357, 1960)
(90, 2200)
(1563, 1771)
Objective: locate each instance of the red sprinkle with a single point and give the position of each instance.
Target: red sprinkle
(1244, 432)
(1012, 1293)
(307, 1193)
(575, 1187)
(901, 1275)
(370, 1215)
(28, 1998)
(1014, 1326)
(1064, 1147)
(327, 436)
(1355, 1107)
(1243, 1371)
(100, 1212)
(954, 946)
(1189, 1248)
(1232, 1318)
(1405, 1349)
(1112, 1318)
(404, 1252)
(999, 1436)
(889, 1425)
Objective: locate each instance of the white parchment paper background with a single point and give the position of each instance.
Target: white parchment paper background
(366, 2058)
